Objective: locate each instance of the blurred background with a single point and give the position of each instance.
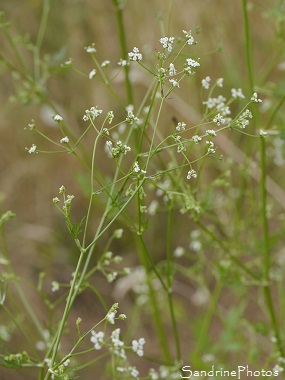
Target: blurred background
(38, 240)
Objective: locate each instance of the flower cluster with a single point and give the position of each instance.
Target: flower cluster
(237, 93)
(137, 346)
(91, 48)
(191, 174)
(131, 118)
(219, 119)
(255, 99)
(243, 120)
(189, 38)
(210, 147)
(118, 149)
(32, 149)
(92, 114)
(137, 169)
(206, 83)
(190, 63)
(97, 339)
(167, 43)
(180, 126)
(135, 55)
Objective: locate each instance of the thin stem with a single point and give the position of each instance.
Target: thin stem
(124, 51)
(247, 46)
(266, 245)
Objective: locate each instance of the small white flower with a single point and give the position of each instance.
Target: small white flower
(167, 42)
(136, 167)
(111, 317)
(123, 62)
(55, 286)
(237, 93)
(174, 82)
(179, 251)
(131, 118)
(262, 133)
(32, 149)
(92, 74)
(220, 82)
(189, 38)
(191, 174)
(219, 119)
(210, 147)
(171, 69)
(56, 200)
(255, 99)
(206, 83)
(92, 114)
(277, 368)
(211, 132)
(196, 139)
(110, 116)
(91, 49)
(97, 339)
(105, 63)
(137, 346)
(62, 190)
(64, 140)
(192, 63)
(180, 126)
(135, 55)
(57, 118)
(118, 349)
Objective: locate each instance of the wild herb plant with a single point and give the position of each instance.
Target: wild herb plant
(153, 169)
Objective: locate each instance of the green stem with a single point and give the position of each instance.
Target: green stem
(169, 274)
(161, 333)
(266, 245)
(247, 46)
(124, 51)
(42, 29)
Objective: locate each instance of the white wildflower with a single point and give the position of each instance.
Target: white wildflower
(191, 174)
(179, 251)
(57, 118)
(219, 119)
(137, 346)
(105, 63)
(211, 132)
(189, 37)
(97, 339)
(174, 82)
(92, 114)
(32, 149)
(110, 317)
(220, 82)
(206, 83)
(123, 62)
(180, 126)
(210, 147)
(135, 55)
(54, 286)
(196, 139)
(237, 93)
(171, 69)
(91, 49)
(255, 99)
(64, 140)
(92, 73)
(167, 42)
